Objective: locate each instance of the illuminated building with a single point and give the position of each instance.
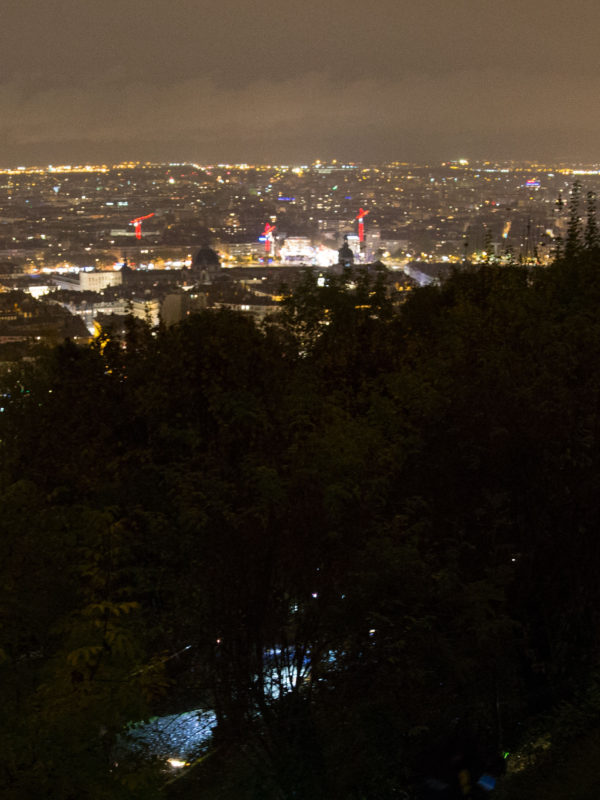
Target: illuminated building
(89, 281)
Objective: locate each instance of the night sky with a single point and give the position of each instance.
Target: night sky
(283, 82)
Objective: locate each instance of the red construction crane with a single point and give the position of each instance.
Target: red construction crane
(267, 237)
(362, 213)
(137, 224)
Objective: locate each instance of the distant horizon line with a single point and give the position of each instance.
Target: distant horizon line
(565, 166)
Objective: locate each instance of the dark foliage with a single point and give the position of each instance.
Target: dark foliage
(398, 504)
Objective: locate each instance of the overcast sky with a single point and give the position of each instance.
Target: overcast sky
(283, 82)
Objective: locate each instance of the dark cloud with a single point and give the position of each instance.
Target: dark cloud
(291, 82)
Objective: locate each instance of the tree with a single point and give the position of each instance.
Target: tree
(357, 533)
(573, 240)
(591, 228)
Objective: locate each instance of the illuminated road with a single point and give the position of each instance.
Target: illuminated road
(179, 738)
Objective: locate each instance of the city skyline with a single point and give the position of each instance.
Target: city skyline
(61, 216)
(239, 83)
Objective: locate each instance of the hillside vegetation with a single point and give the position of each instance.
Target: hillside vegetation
(397, 505)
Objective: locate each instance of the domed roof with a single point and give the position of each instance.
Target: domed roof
(206, 257)
(345, 254)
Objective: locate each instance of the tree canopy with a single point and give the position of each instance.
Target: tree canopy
(358, 534)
